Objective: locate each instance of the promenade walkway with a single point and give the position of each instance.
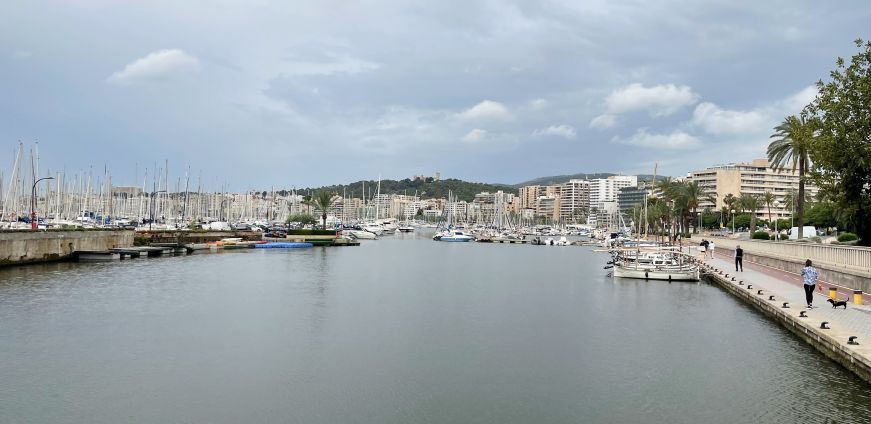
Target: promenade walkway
(787, 287)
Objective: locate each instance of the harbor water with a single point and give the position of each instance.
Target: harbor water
(398, 330)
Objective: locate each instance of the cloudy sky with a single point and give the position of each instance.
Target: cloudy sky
(288, 93)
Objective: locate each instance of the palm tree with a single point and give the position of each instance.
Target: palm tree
(693, 194)
(323, 201)
(750, 202)
(768, 199)
(789, 198)
(791, 149)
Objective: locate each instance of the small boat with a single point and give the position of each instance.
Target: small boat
(406, 229)
(360, 234)
(453, 236)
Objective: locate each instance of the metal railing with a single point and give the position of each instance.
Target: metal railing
(856, 258)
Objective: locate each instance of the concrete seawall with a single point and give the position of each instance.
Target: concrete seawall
(831, 342)
(47, 246)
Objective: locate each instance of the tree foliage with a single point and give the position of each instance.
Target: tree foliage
(791, 150)
(842, 148)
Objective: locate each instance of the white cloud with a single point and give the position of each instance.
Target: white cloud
(475, 136)
(715, 120)
(566, 131)
(603, 121)
(674, 141)
(332, 63)
(539, 104)
(796, 102)
(758, 121)
(659, 100)
(486, 110)
(158, 65)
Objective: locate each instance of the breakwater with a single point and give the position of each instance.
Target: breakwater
(23, 247)
(826, 330)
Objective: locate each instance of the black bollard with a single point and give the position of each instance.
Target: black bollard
(785, 305)
(824, 325)
(750, 287)
(759, 292)
(852, 340)
(771, 297)
(802, 314)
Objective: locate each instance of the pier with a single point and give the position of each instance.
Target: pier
(842, 335)
(23, 247)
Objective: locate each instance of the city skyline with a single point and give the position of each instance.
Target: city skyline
(258, 93)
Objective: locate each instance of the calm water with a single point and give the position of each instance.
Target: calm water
(399, 330)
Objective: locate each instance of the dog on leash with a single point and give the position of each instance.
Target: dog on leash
(835, 303)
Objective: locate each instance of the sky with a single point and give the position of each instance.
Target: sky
(285, 93)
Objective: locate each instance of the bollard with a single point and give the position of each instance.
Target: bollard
(750, 287)
(852, 340)
(759, 292)
(785, 305)
(771, 297)
(857, 297)
(802, 314)
(741, 283)
(833, 293)
(824, 325)
(733, 278)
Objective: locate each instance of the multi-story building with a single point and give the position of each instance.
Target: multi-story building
(756, 178)
(604, 190)
(574, 201)
(628, 197)
(548, 206)
(528, 195)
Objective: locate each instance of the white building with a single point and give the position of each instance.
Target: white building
(605, 190)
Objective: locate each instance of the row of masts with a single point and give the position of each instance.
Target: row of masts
(90, 197)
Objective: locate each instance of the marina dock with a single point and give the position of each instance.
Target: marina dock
(842, 335)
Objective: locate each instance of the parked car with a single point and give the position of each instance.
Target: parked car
(808, 231)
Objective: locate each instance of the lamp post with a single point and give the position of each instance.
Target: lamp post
(776, 232)
(733, 221)
(33, 225)
(151, 211)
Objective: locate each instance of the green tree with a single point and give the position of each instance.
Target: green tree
(750, 202)
(322, 202)
(791, 149)
(842, 148)
(302, 219)
(767, 199)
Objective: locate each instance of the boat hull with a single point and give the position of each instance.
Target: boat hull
(657, 274)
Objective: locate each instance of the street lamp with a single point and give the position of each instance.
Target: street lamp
(33, 225)
(151, 221)
(776, 232)
(733, 221)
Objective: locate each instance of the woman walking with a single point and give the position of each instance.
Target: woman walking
(810, 282)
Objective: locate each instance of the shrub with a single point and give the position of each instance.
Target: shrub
(847, 237)
(760, 235)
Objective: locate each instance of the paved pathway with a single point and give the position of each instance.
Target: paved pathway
(854, 321)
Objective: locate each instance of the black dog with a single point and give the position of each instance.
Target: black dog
(836, 303)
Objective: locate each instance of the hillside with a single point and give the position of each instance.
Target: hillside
(426, 189)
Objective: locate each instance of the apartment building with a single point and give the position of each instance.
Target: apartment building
(754, 178)
(574, 198)
(604, 190)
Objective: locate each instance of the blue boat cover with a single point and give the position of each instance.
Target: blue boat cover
(282, 245)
